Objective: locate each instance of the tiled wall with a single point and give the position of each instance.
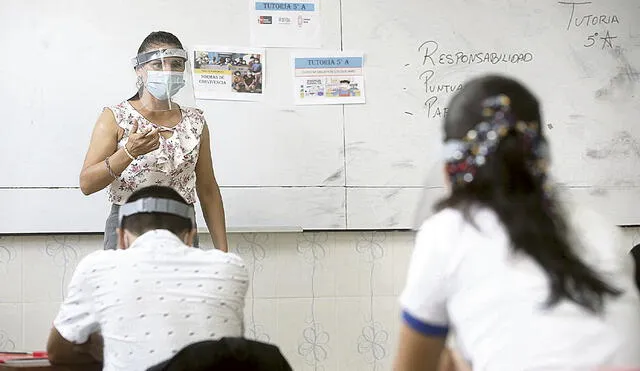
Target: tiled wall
(329, 300)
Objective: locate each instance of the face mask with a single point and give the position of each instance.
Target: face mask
(164, 84)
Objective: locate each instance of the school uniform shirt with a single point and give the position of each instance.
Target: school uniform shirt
(471, 280)
(152, 299)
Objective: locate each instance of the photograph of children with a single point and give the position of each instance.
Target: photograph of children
(247, 73)
(228, 73)
(212, 60)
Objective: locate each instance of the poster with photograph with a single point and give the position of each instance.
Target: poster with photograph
(228, 73)
(281, 23)
(328, 79)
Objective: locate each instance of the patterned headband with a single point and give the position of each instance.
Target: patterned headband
(463, 157)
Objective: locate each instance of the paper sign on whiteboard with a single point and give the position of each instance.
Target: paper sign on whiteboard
(328, 79)
(228, 73)
(281, 23)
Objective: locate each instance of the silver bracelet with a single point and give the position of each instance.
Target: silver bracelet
(106, 161)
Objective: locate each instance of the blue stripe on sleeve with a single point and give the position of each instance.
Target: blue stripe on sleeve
(424, 328)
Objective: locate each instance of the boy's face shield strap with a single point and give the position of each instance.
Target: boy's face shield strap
(157, 205)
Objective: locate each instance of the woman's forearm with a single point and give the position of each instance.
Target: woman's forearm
(96, 177)
(213, 211)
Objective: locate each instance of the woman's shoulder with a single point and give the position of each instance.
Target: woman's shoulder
(455, 228)
(121, 106)
(443, 226)
(194, 118)
(443, 218)
(452, 218)
(120, 110)
(193, 111)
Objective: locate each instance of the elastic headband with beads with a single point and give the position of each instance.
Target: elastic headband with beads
(464, 156)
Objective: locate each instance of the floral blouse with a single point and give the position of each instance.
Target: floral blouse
(173, 164)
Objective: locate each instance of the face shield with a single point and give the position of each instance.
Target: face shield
(164, 79)
(157, 205)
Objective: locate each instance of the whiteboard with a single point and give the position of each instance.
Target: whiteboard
(420, 52)
(68, 210)
(279, 166)
(322, 167)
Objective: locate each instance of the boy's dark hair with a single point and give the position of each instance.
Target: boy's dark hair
(228, 353)
(144, 222)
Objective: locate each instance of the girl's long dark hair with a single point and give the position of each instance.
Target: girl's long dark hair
(532, 218)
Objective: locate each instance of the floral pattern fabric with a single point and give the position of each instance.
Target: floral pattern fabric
(173, 164)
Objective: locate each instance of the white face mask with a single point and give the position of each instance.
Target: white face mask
(164, 84)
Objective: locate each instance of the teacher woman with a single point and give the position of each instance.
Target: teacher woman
(154, 138)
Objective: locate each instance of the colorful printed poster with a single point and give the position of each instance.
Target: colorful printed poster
(328, 79)
(228, 73)
(281, 23)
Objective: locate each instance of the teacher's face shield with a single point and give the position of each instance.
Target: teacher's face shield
(164, 79)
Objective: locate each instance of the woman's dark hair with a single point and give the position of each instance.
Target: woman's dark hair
(532, 218)
(157, 39)
(144, 222)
